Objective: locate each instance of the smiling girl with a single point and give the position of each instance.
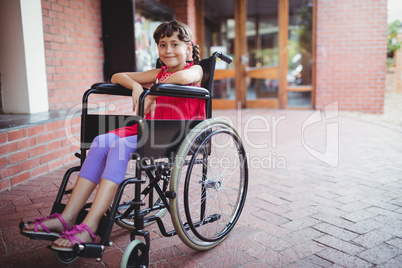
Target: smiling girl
(107, 159)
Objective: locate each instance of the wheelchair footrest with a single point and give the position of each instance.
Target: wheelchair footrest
(83, 250)
(89, 250)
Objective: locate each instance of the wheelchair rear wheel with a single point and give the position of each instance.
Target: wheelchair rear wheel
(210, 178)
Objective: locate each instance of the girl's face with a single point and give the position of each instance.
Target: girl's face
(173, 52)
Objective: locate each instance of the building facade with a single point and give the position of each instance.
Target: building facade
(55, 49)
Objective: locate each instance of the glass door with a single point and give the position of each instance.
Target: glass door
(262, 71)
(247, 30)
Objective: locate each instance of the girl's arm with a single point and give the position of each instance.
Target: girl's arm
(192, 75)
(133, 81)
(130, 79)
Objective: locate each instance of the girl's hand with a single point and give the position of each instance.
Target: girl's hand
(136, 97)
(150, 105)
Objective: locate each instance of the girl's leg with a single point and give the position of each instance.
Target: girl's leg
(81, 192)
(103, 198)
(116, 166)
(86, 182)
(96, 159)
(118, 157)
(83, 188)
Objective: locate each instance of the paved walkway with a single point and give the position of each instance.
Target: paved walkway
(322, 194)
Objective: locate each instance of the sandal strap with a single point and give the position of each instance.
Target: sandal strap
(39, 221)
(70, 235)
(76, 229)
(61, 220)
(85, 227)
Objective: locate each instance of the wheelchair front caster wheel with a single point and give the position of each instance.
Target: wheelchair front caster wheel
(135, 255)
(65, 257)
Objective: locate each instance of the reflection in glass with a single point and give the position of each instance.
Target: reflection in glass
(146, 52)
(219, 36)
(300, 47)
(262, 43)
(147, 18)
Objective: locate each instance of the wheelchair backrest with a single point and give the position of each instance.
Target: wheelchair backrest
(208, 68)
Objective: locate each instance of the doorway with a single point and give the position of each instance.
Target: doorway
(262, 42)
(272, 45)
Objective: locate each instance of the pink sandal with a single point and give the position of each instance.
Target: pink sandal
(46, 234)
(71, 235)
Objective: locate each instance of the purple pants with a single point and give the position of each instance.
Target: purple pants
(108, 158)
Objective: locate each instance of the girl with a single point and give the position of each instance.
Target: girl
(106, 162)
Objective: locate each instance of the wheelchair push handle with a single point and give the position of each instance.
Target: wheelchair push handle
(223, 56)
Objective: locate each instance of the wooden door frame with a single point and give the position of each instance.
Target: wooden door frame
(240, 50)
(313, 52)
(283, 25)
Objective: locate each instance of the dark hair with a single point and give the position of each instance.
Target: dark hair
(168, 28)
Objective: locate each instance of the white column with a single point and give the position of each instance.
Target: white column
(22, 57)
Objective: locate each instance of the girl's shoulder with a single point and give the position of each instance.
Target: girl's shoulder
(189, 65)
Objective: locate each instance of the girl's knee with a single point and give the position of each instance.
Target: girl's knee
(113, 179)
(122, 149)
(128, 145)
(104, 140)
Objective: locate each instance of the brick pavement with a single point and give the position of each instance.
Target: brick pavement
(300, 211)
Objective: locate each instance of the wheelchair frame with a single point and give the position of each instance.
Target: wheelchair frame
(192, 149)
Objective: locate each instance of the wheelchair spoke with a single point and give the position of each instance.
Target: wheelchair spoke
(211, 180)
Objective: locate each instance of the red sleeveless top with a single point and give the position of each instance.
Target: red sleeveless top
(170, 107)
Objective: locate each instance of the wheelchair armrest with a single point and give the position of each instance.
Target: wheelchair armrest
(174, 90)
(111, 89)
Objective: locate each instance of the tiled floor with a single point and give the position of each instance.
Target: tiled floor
(322, 194)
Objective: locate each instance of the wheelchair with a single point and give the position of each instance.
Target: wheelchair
(195, 170)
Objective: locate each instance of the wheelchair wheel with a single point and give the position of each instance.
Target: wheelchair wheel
(135, 255)
(128, 222)
(210, 178)
(65, 257)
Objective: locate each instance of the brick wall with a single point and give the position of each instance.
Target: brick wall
(185, 12)
(351, 54)
(73, 47)
(29, 152)
(36, 150)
